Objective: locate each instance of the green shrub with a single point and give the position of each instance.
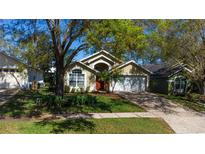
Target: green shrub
(193, 97)
(53, 103)
(72, 90)
(82, 90)
(67, 89)
(81, 100)
(87, 89)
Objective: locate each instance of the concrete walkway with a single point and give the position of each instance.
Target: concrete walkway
(182, 120)
(102, 115)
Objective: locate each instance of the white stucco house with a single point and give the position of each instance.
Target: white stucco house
(12, 77)
(84, 73)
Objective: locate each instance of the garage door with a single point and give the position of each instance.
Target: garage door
(131, 83)
(7, 80)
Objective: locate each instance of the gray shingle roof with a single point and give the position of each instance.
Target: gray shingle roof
(153, 67)
(163, 70)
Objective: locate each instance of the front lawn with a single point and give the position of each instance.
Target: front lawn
(37, 103)
(191, 102)
(87, 126)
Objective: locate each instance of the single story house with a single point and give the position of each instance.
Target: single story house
(85, 74)
(168, 79)
(12, 77)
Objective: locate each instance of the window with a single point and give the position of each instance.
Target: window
(76, 78)
(180, 84)
(6, 70)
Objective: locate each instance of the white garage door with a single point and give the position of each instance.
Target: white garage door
(7, 80)
(131, 83)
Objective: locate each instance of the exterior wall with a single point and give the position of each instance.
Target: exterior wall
(35, 75)
(159, 85)
(90, 79)
(132, 69)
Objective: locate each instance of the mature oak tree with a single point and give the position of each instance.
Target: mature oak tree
(63, 39)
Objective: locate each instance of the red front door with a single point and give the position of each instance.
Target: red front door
(99, 85)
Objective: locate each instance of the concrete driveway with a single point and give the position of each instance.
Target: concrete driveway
(6, 94)
(181, 119)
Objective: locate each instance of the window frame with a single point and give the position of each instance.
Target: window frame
(77, 78)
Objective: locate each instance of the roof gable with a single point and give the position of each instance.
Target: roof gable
(101, 57)
(132, 62)
(101, 53)
(7, 61)
(83, 66)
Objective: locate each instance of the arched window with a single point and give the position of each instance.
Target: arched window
(77, 79)
(77, 71)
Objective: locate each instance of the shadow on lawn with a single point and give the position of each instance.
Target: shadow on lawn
(73, 125)
(19, 105)
(31, 104)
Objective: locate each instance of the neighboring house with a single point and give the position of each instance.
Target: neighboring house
(12, 77)
(84, 74)
(168, 80)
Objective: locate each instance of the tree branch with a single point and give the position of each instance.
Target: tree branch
(74, 36)
(51, 27)
(74, 53)
(68, 32)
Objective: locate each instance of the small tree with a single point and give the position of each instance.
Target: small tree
(110, 77)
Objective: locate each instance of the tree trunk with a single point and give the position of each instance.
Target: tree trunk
(60, 73)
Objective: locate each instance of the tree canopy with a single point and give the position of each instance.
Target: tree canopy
(145, 41)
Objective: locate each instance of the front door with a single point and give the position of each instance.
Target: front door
(100, 85)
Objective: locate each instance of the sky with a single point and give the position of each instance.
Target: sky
(42, 26)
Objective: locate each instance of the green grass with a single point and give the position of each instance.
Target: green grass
(26, 104)
(87, 126)
(108, 104)
(191, 103)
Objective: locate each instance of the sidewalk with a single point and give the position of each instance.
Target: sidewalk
(103, 115)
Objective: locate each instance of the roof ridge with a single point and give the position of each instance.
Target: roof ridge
(100, 52)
